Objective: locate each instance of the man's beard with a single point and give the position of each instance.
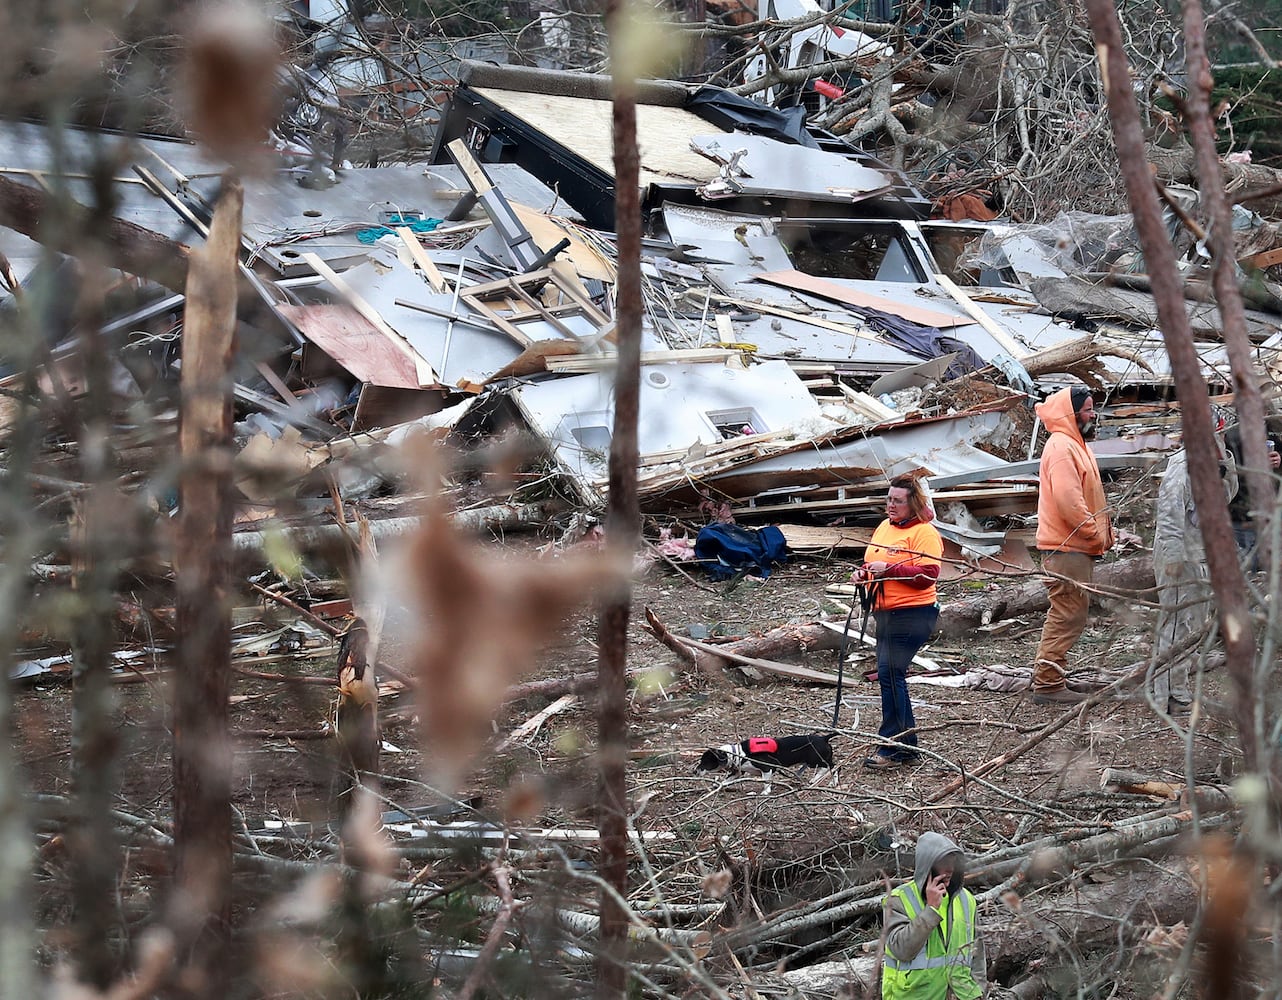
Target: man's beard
(1088, 429)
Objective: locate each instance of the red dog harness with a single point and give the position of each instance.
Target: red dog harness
(762, 744)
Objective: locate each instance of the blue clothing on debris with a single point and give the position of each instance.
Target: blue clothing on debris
(726, 549)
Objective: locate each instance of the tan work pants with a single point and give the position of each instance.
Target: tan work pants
(1066, 618)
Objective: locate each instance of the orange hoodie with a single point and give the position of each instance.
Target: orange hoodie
(1072, 514)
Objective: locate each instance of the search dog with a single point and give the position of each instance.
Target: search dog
(767, 754)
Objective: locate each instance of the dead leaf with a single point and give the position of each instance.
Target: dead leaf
(231, 86)
(484, 619)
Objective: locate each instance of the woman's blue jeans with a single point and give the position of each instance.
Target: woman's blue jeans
(900, 633)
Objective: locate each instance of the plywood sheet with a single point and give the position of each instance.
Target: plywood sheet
(584, 126)
(353, 342)
(808, 283)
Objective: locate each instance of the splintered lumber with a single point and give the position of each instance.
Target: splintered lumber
(1007, 343)
(867, 405)
(426, 376)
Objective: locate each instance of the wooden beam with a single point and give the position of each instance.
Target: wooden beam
(1008, 343)
(424, 262)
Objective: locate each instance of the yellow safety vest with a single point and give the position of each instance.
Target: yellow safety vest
(941, 969)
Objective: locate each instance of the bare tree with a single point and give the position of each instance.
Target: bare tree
(1195, 414)
(623, 515)
(201, 910)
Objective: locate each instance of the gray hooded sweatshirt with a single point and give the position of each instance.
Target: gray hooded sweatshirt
(906, 937)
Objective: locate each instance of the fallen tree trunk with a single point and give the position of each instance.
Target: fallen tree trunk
(62, 224)
(962, 617)
(956, 618)
(775, 645)
(1175, 165)
(1051, 932)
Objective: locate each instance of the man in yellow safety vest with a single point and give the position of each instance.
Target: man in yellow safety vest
(932, 949)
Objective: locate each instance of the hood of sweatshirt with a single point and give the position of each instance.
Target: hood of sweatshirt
(1058, 416)
(931, 847)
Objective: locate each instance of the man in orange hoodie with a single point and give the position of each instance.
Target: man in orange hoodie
(1073, 530)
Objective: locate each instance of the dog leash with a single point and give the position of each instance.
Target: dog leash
(868, 594)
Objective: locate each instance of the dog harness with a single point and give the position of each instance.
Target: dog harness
(762, 744)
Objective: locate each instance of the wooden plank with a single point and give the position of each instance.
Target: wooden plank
(472, 171)
(1266, 258)
(688, 356)
(425, 375)
(499, 320)
(424, 262)
(1008, 343)
(540, 311)
(344, 334)
(274, 380)
(771, 310)
(801, 282)
(807, 537)
(869, 406)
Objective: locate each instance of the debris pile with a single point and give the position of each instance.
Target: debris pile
(809, 333)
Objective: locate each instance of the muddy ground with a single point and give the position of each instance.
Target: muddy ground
(805, 839)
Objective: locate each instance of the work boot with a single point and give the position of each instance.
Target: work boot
(1057, 696)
